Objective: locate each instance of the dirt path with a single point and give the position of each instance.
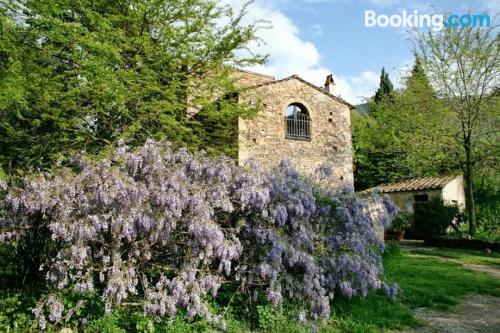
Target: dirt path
(477, 313)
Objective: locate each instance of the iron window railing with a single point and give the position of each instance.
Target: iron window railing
(298, 126)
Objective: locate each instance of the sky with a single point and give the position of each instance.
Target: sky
(313, 38)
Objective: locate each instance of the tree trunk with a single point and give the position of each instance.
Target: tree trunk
(471, 209)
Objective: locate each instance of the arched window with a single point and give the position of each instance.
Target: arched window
(297, 122)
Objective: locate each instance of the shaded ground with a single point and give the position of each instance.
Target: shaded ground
(477, 313)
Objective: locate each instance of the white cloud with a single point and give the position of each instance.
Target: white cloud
(290, 54)
(317, 30)
(355, 89)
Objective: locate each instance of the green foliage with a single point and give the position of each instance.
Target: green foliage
(371, 314)
(417, 82)
(82, 75)
(433, 218)
(425, 281)
(407, 136)
(385, 89)
(374, 159)
(15, 313)
(9, 270)
(216, 125)
(415, 135)
(432, 283)
(464, 64)
(131, 320)
(488, 232)
(487, 194)
(392, 250)
(272, 319)
(108, 324)
(402, 222)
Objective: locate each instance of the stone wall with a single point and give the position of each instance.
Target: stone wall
(376, 209)
(248, 79)
(263, 136)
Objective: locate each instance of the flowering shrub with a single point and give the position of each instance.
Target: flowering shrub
(169, 227)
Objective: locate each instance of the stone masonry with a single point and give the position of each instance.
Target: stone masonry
(263, 137)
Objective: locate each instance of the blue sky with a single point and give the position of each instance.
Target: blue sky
(313, 38)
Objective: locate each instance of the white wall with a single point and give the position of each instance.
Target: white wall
(453, 192)
(405, 199)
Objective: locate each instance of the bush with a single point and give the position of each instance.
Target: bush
(166, 229)
(402, 222)
(434, 218)
(15, 315)
(392, 249)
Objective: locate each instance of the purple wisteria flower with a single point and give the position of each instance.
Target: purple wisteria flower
(170, 227)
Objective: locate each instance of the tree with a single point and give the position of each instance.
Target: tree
(81, 75)
(417, 81)
(424, 124)
(385, 89)
(404, 137)
(377, 157)
(463, 65)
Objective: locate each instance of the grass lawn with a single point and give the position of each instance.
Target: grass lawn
(467, 256)
(430, 283)
(425, 282)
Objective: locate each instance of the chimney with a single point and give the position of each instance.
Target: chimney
(330, 84)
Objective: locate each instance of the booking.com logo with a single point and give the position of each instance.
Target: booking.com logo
(436, 21)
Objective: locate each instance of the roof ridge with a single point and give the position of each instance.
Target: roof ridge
(295, 76)
(421, 183)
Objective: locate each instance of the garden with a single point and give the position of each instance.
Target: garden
(123, 210)
(167, 230)
(159, 240)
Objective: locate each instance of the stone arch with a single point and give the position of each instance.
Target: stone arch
(297, 122)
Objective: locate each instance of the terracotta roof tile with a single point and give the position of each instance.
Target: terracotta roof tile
(413, 184)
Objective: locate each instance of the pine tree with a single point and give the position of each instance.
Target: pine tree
(385, 88)
(417, 81)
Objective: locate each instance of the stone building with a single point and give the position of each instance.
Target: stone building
(407, 193)
(298, 120)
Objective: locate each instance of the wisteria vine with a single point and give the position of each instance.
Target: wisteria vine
(170, 227)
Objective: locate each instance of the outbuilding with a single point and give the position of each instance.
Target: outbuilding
(407, 193)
